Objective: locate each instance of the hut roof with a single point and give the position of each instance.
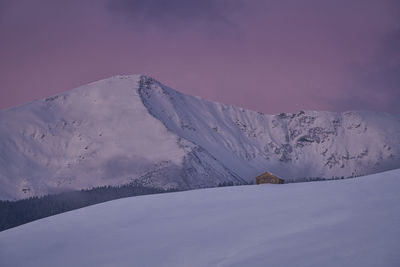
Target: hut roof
(269, 174)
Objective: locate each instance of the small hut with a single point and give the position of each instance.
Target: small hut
(269, 178)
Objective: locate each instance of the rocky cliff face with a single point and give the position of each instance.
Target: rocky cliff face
(133, 128)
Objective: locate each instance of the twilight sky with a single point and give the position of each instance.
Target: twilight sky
(266, 55)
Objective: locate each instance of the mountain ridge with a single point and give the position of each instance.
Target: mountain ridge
(133, 128)
(284, 122)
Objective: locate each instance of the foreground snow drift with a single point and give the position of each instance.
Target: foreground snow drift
(351, 222)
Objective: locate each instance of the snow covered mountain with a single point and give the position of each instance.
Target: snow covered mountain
(349, 223)
(133, 128)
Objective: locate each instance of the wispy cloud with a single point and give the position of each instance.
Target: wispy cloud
(376, 85)
(213, 15)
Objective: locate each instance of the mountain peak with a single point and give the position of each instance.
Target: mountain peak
(132, 128)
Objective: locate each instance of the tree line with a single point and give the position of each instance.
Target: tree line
(15, 213)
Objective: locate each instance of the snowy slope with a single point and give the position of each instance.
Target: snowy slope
(98, 134)
(133, 128)
(306, 144)
(352, 222)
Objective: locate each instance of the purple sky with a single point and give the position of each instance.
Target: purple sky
(271, 56)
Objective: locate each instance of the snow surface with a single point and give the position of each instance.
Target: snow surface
(353, 222)
(133, 128)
